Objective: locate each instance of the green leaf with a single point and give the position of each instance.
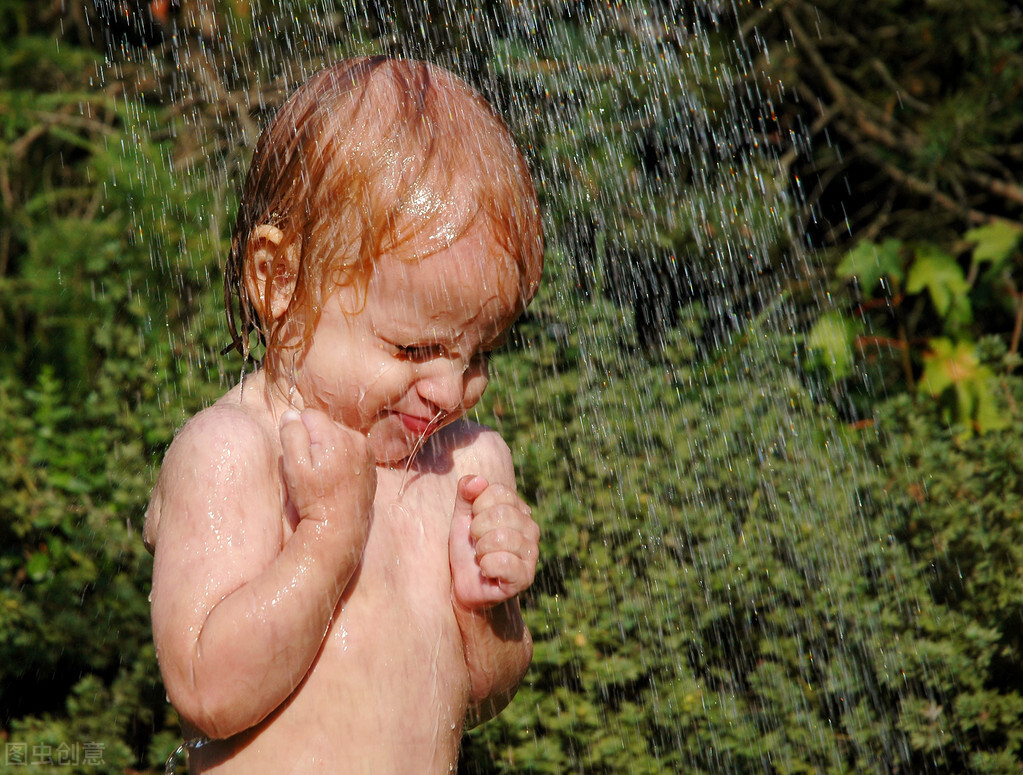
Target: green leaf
(868, 263)
(995, 241)
(37, 566)
(938, 273)
(957, 367)
(987, 416)
(947, 364)
(830, 343)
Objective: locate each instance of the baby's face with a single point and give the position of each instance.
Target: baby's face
(413, 357)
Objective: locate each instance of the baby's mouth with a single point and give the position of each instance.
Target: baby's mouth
(422, 429)
(418, 425)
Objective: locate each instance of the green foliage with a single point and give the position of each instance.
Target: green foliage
(937, 272)
(933, 312)
(658, 618)
(901, 117)
(731, 580)
(648, 166)
(728, 585)
(956, 368)
(956, 505)
(73, 610)
(90, 394)
(829, 343)
(994, 243)
(870, 263)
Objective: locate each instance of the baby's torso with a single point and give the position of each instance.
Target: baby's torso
(387, 692)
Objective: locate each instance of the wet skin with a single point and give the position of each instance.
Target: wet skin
(317, 605)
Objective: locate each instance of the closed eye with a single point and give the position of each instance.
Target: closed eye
(420, 353)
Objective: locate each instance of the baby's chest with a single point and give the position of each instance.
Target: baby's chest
(406, 557)
(399, 602)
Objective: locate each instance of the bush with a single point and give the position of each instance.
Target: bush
(722, 588)
(731, 579)
(91, 390)
(956, 503)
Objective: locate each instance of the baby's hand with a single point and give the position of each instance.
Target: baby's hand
(329, 471)
(493, 545)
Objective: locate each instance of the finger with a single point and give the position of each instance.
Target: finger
(331, 441)
(497, 495)
(461, 552)
(467, 493)
(511, 572)
(322, 434)
(294, 444)
(504, 516)
(327, 438)
(505, 540)
(484, 593)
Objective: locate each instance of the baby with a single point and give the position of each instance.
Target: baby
(338, 552)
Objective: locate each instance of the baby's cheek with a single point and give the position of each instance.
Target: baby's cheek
(385, 377)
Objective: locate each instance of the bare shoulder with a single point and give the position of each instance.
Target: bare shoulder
(478, 449)
(222, 446)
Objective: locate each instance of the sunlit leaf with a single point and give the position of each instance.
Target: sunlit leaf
(938, 273)
(956, 367)
(948, 364)
(987, 416)
(995, 241)
(830, 343)
(869, 263)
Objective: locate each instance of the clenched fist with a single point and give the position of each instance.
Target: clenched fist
(493, 545)
(329, 472)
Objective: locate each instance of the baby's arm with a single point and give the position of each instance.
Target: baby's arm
(237, 617)
(493, 551)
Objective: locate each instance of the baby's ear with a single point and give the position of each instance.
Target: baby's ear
(271, 270)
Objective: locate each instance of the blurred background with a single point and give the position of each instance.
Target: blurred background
(766, 405)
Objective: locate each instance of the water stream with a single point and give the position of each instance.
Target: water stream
(714, 594)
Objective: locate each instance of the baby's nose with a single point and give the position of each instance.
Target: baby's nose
(443, 384)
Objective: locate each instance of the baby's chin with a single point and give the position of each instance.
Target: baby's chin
(402, 448)
(395, 450)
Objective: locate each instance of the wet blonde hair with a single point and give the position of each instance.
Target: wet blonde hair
(371, 156)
